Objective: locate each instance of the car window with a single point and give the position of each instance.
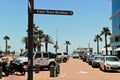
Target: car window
(112, 59)
(65, 53)
(98, 58)
(38, 56)
(45, 55)
(25, 54)
(59, 53)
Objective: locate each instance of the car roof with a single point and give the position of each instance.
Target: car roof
(109, 56)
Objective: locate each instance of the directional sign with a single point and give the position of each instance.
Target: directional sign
(53, 12)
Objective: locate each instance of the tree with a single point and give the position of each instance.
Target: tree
(67, 43)
(25, 40)
(56, 46)
(6, 38)
(47, 39)
(105, 32)
(40, 39)
(97, 39)
(35, 36)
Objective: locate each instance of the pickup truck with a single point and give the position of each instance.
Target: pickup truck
(42, 59)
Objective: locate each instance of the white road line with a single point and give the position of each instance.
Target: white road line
(82, 72)
(64, 75)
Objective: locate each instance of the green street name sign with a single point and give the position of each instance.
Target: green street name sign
(53, 12)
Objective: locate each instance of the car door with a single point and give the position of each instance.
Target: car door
(45, 58)
(37, 59)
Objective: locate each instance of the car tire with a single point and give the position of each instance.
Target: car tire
(64, 60)
(93, 66)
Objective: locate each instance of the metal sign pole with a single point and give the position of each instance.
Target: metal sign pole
(31, 12)
(30, 39)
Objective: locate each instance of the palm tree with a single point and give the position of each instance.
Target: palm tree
(6, 38)
(97, 39)
(56, 46)
(25, 40)
(105, 32)
(35, 36)
(47, 39)
(67, 43)
(40, 39)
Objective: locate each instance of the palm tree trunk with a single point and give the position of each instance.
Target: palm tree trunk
(97, 47)
(40, 46)
(26, 45)
(46, 47)
(6, 47)
(106, 44)
(67, 48)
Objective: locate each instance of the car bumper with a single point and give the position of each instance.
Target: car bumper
(112, 68)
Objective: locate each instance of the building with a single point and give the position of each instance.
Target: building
(115, 39)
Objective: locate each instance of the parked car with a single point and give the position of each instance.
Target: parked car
(43, 59)
(85, 56)
(65, 57)
(59, 56)
(109, 63)
(96, 61)
(90, 58)
(75, 55)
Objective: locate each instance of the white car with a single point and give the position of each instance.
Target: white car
(75, 55)
(109, 63)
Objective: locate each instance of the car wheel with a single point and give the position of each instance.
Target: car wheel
(101, 68)
(64, 60)
(93, 66)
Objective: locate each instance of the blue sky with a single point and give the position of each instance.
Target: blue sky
(89, 17)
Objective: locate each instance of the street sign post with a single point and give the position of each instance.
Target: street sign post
(53, 12)
(31, 12)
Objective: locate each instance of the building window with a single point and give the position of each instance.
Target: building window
(119, 25)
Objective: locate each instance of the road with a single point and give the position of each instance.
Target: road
(74, 69)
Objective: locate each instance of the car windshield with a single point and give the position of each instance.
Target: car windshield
(98, 58)
(112, 59)
(59, 53)
(25, 54)
(65, 53)
(92, 56)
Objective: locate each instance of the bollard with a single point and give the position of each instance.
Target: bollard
(37, 68)
(52, 71)
(0, 72)
(58, 69)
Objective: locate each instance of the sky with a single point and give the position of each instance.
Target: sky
(89, 18)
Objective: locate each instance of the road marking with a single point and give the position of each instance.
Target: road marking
(82, 72)
(64, 75)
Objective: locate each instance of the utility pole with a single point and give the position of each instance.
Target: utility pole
(30, 38)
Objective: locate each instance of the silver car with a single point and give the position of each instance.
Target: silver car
(109, 63)
(96, 61)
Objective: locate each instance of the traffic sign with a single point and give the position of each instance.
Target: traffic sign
(53, 12)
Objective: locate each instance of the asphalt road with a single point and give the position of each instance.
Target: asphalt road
(74, 69)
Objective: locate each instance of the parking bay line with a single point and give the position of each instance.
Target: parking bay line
(82, 72)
